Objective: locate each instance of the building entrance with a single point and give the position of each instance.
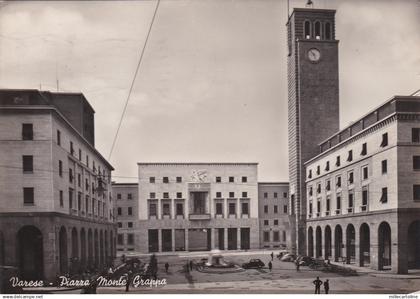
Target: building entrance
(199, 239)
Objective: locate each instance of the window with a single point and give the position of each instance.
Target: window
(179, 209)
(244, 179)
(61, 198)
(130, 239)
(327, 204)
(130, 224)
(310, 174)
(276, 209)
(265, 194)
(129, 196)
(311, 192)
(384, 166)
(165, 180)
(285, 209)
(351, 177)
(87, 160)
(79, 180)
(318, 169)
(364, 149)
(307, 32)
(232, 208)
(275, 194)
(120, 239)
(317, 30)
(166, 209)
(318, 188)
(245, 208)
(179, 179)
(337, 162)
(119, 224)
(219, 208)
(71, 148)
(152, 195)
(231, 179)
(284, 236)
(152, 179)
(338, 184)
(231, 194)
(119, 211)
(416, 162)
(152, 209)
(351, 200)
(119, 196)
(218, 179)
(327, 30)
(276, 222)
(415, 134)
(70, 175)
(365, 173)
(28, 163)
(365, 197)
(79, 201)
(218, 194)
(266, 222)
(58, 137)
(416, 192)
(350, 156)
(70, 198)
(285, 194)
(27, 132)
(310, 208)
(265, 209)
(130, 211)
(80, 154)
(244, 194)
(384, 196)
(327, 166)
(276, 236)
(179, 195)
(87, 203)
(60, 168)
(338, 202)
(384, 140)
(328, 185)
(318, 206)
(266, 236)
(165, 195)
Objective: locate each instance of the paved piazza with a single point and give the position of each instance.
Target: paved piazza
(282, 279)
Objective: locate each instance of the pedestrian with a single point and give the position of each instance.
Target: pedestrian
(272, 256)
(187, 267)
(166, 267)
(297, 265)
(191, 265)
(128, 282)
(317, 282)
(326, 286)
(270, 265)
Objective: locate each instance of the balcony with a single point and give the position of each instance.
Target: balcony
(337, 212)
(350, 210)
(199, 217)
(363, 208)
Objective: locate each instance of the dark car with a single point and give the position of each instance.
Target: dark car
(305, 260)
(253, 264)
(288, 257)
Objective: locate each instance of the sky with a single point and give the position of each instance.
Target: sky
(212, 86)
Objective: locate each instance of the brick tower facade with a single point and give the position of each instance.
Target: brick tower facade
(313, 104)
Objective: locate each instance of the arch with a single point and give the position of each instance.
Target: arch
(83, 248)
(1, 248)
(364, 245)
(62, 240)
(90, 248)
(318, 242)
(384, 241)
(31, 253)
(338, 242)
(107, 260)
(307, 29)
(328, 30)
(74, 260)
(317, 30)
(310, 242)
(101, 248)
(96, 248)
(328, 244)
(414, 245)
(350, 243)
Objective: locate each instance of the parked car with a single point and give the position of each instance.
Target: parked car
(282, 253)
(253, 264)
(288, 257)
(305, 260)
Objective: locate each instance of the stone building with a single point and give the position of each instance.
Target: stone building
(126, 197)
(197, 207)
(55, 204)
(363, 190)
(273, 206)
(313, 110)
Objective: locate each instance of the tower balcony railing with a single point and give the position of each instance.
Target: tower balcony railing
(201, 216)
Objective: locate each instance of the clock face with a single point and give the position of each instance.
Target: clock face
(314, 55)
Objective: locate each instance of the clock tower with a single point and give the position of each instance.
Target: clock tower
(313, 105)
